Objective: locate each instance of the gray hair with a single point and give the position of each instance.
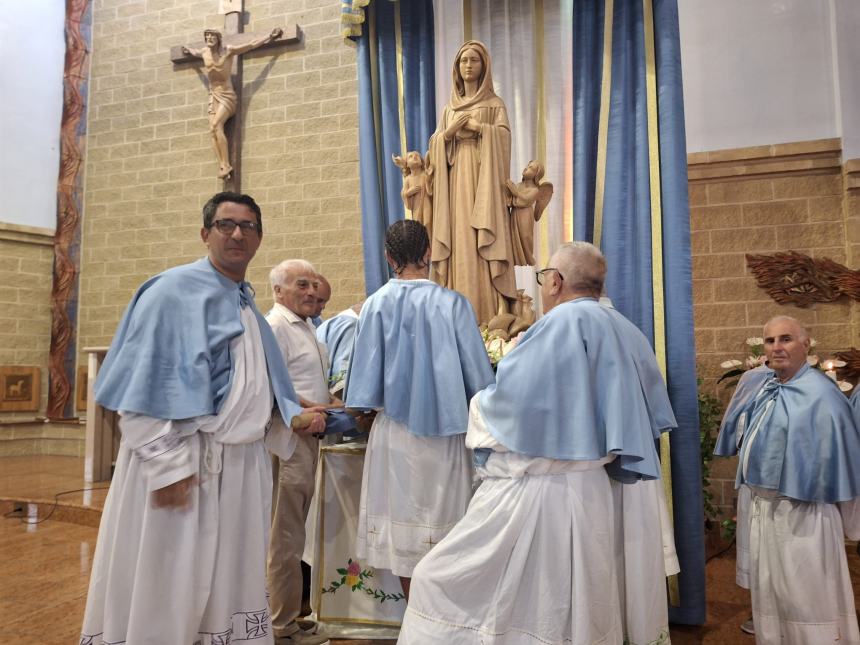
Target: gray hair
(582, 265)
(280, 274)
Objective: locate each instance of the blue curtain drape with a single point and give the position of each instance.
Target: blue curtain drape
(614, 170)
(380, 105)
(626, 233)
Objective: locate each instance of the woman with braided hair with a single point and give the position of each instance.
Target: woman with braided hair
(418, 359)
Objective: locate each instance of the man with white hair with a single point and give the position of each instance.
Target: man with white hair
(798, 451)
(295, 286)
(576, 402)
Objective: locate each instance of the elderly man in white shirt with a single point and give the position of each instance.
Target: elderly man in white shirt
(295, 285)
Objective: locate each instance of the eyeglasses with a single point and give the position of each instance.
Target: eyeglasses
(539, 275)
(227, 226)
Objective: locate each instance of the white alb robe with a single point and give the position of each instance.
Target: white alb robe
(800, 584)
(413, 491)
(645, 556)
(532, 562)
(195, 575)
(742, 537)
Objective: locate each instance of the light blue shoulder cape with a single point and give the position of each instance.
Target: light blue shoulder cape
(736, 417)
(807, 447)
(855, 404)
(418, 355)
(170, 356)
(582, 384)
(337, 334)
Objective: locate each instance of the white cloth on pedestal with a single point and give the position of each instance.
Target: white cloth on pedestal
(800, 584)
(531, 562)
(193, 575)
(414, 490)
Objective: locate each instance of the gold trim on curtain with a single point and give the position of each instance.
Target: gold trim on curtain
(538, 13)
(401, 105)
(467, 20)
(603, 127)
(657, 254)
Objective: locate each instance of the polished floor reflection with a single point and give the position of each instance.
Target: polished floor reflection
(42, 477)
(43, 580)
(46, 564)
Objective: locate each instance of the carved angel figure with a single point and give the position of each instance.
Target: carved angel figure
(527, 201)
(417, 188)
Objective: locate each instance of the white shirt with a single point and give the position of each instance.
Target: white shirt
(306, 358)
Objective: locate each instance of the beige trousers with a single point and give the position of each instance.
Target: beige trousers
(293, 489)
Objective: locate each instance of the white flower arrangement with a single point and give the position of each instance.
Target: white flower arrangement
(498, 347)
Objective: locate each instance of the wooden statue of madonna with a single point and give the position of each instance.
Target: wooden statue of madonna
(480, 223)
(470, 154)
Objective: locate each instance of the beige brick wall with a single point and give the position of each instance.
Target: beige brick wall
(764, 200)
(26, 270)
(150, 166)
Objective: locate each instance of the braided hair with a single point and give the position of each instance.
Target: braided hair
(406, 242)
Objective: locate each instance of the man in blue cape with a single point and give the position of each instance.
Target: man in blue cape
(337, 334)
(798, 449)
(195, 374)
(577, 401)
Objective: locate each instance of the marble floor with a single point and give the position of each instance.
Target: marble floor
(43, 582)
(42, 477)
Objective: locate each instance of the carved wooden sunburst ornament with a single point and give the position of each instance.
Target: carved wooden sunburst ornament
(793, 278)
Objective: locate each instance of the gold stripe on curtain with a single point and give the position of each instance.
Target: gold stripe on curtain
(657, 252)
(538, 14)
(603, 126)
(401, 101)
(401, 105)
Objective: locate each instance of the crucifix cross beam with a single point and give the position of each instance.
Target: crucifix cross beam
(222, 62)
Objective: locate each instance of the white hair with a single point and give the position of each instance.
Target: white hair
(280, 274)
(804, 334)
(582, 266)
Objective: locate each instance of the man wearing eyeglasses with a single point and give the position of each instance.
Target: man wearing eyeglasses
(195, 374)
(576, 402)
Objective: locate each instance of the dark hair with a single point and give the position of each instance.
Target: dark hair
(406, 242)
(246, 200)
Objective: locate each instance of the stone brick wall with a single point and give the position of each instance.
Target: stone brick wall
(150, 166)
(763, 200)
(26, 269)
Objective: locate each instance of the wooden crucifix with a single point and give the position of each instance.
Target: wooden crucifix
(222, 62)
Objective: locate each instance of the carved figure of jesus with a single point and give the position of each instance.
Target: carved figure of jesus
(218, 64)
